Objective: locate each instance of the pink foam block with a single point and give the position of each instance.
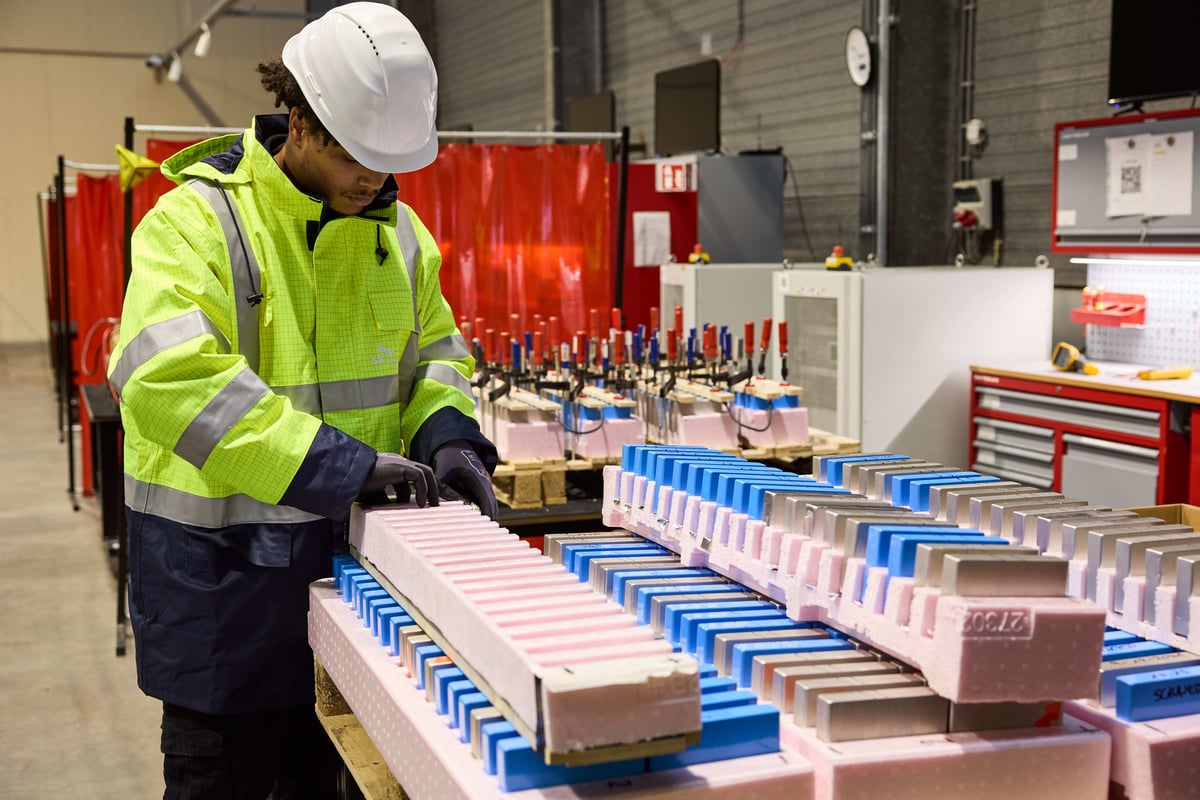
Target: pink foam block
(485, 571)
(785, 427)
(516, 609)
(988, 649)
(528, 441)
(898, 604)
(577, 653)
(1029, 763)
(1157, 760)
(616, 638)
(559, 623)
(518, 584)
(710, 429)
(609, 439)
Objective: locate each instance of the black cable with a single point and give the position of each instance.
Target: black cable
(563, 423)
(255, 297)
(740, 424)
(787, 165)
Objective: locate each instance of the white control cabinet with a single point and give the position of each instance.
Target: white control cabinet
(884, 354)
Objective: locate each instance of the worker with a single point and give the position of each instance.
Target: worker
(285, 349)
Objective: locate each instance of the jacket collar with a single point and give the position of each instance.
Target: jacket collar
(246, 158)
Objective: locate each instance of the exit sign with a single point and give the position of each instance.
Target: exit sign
(675, 176)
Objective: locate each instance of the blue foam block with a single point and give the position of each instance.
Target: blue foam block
(616, 579)
(645, 594)
(919, 490)
(583, 561)
(731, 732)
(706, 632)
(1120, 637)
(462, 715)
(902, 549)
(831, 466)
(880, 536)
(455, 691)
(421, 654)
(1158, 694)
(491, 734)
(394, 624)
(717, 683)
(443, 676)
(1144, 647)
(521, 768)
(672, 612)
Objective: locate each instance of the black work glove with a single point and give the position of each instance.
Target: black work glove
(407, 478)
(460, 470)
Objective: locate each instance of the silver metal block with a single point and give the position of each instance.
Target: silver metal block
(1075, 535)
(783, 682)
(981, 507)
(957, 509)
(762, 673)
(1160, 566)
(807, 691)
(1187, 580)
(833, 522)
(931, 558)
(881, 713)
(998, 575)
(1102, 546)
(724, 642)
(479, 717)
(786, 510)
(553, 542)
(1000, 521)
(939, 495)
(1050, 528)
(599, 568)
(852, 471)
(1001, 716)
(1131, 559)
(804, 513)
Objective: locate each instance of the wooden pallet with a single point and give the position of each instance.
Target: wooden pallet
(531, 484)
(358, 752)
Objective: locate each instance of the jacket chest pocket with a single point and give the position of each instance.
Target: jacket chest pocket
(391, 296)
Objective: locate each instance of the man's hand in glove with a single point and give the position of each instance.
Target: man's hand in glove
(459, 469)
(402, 475)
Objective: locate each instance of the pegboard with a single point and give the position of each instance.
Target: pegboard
(1171, 333)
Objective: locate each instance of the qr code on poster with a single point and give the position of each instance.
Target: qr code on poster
(1131, 179)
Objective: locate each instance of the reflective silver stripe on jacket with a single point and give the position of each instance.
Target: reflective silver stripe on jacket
(207, 512)
(247, 278)
(446, 375)
(448, 348)
(351, 395)
(160, 336)
(410, 248)
(206, 430)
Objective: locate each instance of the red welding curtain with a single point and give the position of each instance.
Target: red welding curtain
(146, 193)
(523, 230)
(95, 268)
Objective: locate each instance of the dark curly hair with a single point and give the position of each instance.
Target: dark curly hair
(279, 81)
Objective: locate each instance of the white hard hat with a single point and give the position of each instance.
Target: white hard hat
(368, 77)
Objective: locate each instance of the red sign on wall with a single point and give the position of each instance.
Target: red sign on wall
(675, 176)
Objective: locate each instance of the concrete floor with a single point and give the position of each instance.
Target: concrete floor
(73, 722)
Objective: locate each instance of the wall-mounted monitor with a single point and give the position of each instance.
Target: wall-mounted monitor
(1151, 52)
(687, 109)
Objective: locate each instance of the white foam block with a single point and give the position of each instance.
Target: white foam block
(650, 692)
(428, 760)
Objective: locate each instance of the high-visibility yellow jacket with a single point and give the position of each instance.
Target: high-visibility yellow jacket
(269, 348)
